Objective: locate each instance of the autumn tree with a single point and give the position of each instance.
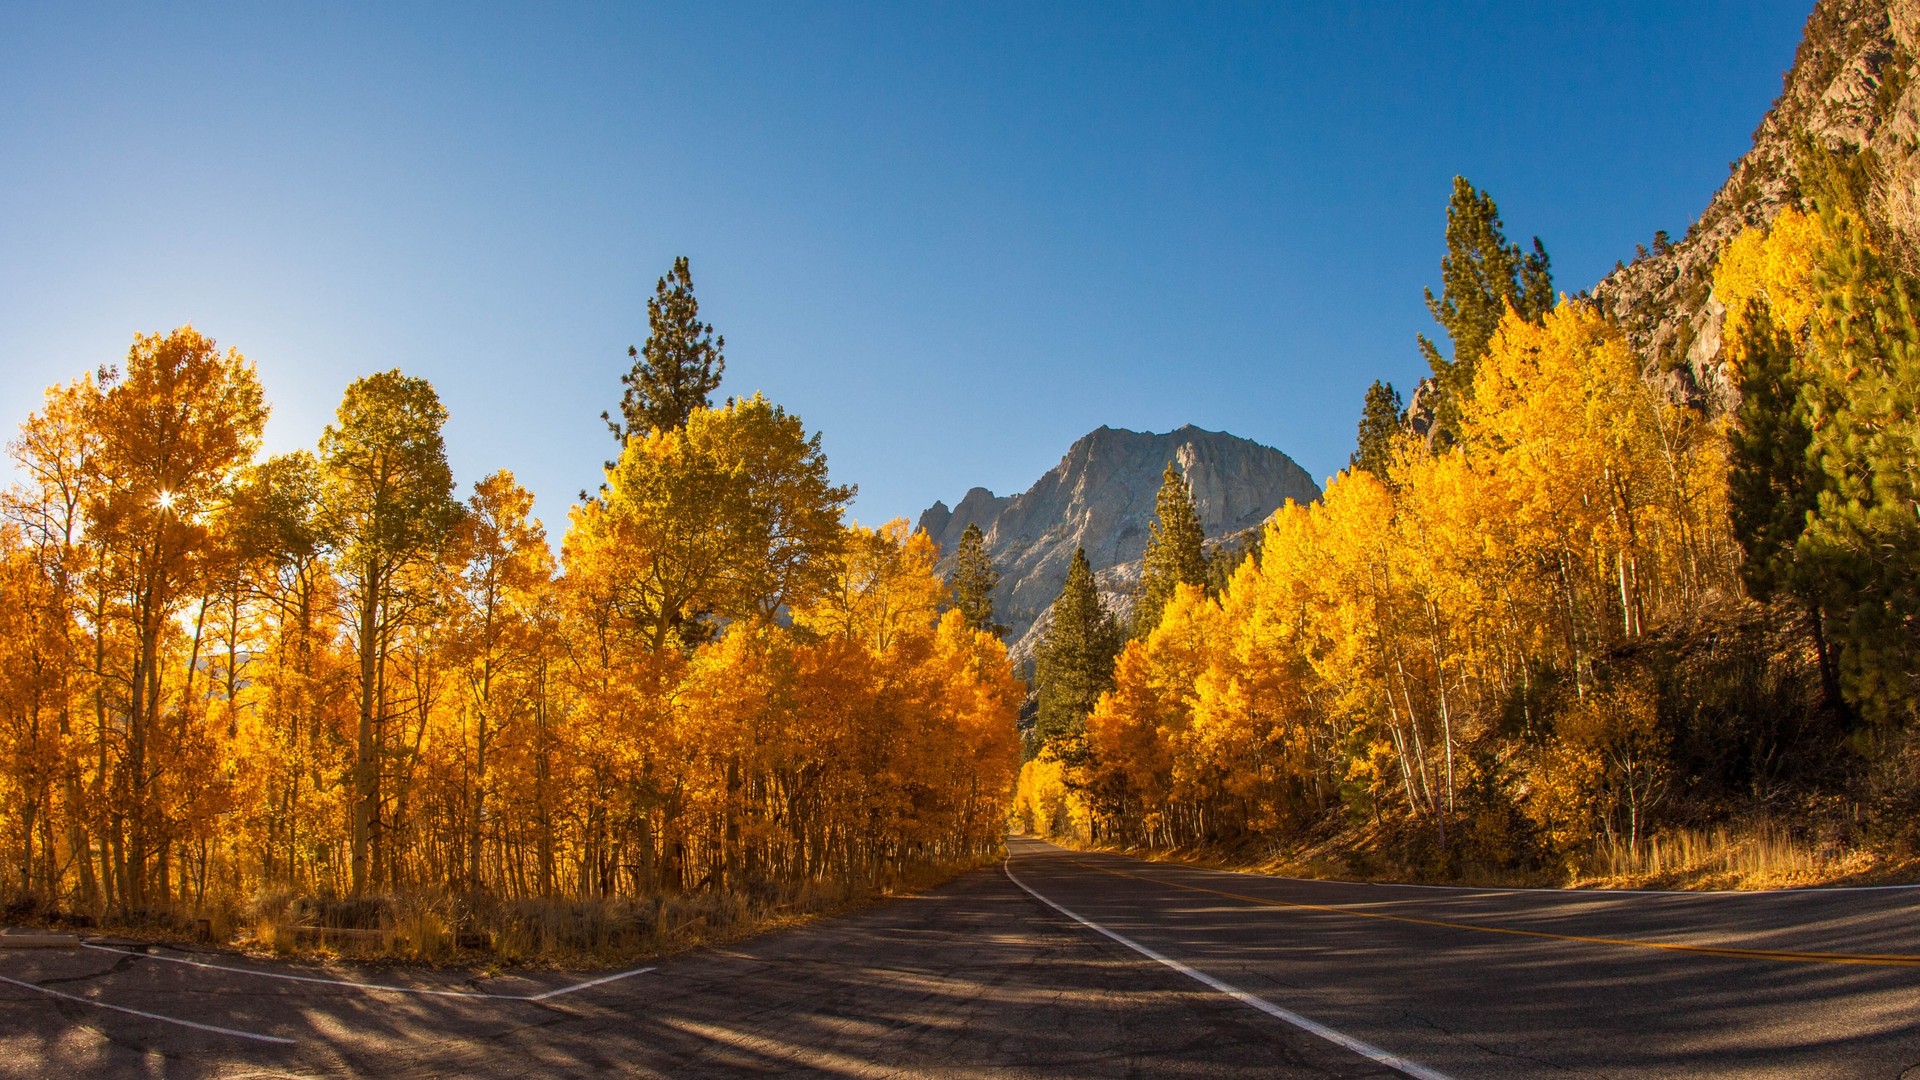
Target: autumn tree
(176, 428)
(504, 567)
(1406, 648)
(732, 516)
(36, 669)
(883, 587)
(54, 456)
(974, 579)
(678, 367)
(281, 529)
(1605, 773)
(1075, 657)
(223, 677)
(389, 501)
(1176, 550)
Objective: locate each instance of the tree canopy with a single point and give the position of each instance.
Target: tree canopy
(678, 367)
(1075, 657)
(1482, 275)
(1176, 550)
(973, 581)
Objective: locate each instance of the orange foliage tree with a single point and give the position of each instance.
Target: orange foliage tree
(222, 676)
(1401, 647)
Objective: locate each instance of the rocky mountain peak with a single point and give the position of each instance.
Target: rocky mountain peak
(1101, 497)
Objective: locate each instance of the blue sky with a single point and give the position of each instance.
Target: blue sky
(953, 238)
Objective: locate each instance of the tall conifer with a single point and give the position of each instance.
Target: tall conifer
(1863, 413)
(1379, 425)
(1075, 656)
(974, 580)
(1772, 484)
(679, 366)
(1176, 551)
(1480, 275)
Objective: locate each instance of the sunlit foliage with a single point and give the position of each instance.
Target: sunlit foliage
(326, 674)
(1429, 644)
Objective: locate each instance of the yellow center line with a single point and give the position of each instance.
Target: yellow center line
(1787, 955)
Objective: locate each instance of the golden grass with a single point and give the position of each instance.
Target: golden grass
(1757, 855)
(575, 933)
(1761, 855)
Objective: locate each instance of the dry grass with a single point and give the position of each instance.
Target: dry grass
(561, 932)
(1761, 855)
(483, 931)
(1758, 855)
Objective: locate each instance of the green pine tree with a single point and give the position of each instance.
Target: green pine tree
(679, 366)
(1379, 426)
(1075, 657)
(1225, 559)
(1773, 485)
(1862, 542)
(973, 582)
(1480, 275)
(1176, 551)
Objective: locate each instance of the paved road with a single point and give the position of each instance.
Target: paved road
(1512, 983)
(991, 976)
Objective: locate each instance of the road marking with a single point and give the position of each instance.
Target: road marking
(1364, 1049)
(376, 987)
(601, 981)
(217, 1030)
(1781, 955)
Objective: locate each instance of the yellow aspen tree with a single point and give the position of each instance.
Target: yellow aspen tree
(883, 585)
(52, 456)
(175, 429)
(504, 567)
(389, 507)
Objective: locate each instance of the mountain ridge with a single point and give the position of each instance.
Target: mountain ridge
(1100, 497)
(1851, 89)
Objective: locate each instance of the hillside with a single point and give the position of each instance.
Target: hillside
(1851, 89)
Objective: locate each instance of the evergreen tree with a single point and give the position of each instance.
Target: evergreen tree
(1176, 551)
(1379, 426)
(1480, 276)
(677, 369)
(1075, 656)
(1863, 411)
(973, 582)
(1225, 559)
(1772, 484)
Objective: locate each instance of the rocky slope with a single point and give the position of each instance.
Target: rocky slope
(1101, 497)
(1852, 89)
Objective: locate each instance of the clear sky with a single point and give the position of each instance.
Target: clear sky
(953, 238)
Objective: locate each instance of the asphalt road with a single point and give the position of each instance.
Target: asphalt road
(1063, 964)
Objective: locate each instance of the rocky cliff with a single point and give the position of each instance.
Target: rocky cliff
(1851, 88)
(1101, 497)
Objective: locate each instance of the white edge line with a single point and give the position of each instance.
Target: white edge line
(1364, 1049)
(236, 1033)
(601, 981)
(377, 987)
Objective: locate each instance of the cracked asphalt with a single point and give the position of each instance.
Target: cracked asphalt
(977, 978)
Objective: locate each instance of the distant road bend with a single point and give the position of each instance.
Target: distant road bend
(1061, 963)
